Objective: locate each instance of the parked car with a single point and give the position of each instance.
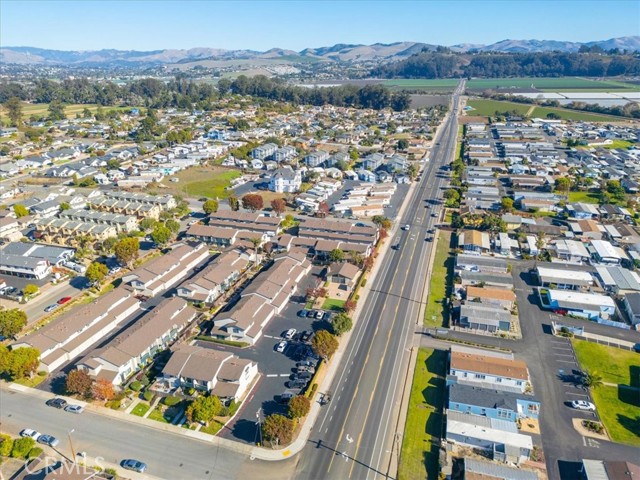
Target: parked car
(64, 300)
(297, 383)
(302, 375)
(302, 368)
(74, 408)
(57, 403)
(434, 214)
(305, 363)
(306, 336)
(30, 433)
(48, 440)
(583, 405)
(311, 313)
(284, 397)
(289, 334)
(135, 465)
(429, 239)
(51, 308)
(319, 314)
(302, 313)
(280, 347)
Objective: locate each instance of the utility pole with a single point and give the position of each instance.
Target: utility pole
(73, 452)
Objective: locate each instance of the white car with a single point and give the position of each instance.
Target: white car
(406, 227)
(281, 346)
(29, 433)
(583, 405)
(290, 333)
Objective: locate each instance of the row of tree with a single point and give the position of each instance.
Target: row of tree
(181, 93)
(497, 65)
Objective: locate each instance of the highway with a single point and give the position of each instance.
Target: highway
(355, 435)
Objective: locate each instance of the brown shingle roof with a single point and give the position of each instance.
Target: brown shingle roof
(490, 365)
(493, 293)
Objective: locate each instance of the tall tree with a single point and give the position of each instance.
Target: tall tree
(20, 210)
(56, 111)
(161, 234)
(253, 202)
(278, 205)
(299, 406)
(204, 409)
(234, 203)
(341, 323)
(324, 344)
(79, 382)
(96, 272)
(12, 321)
(23, 362)
(336, 255)
(126, 250)
(14, 111)
(102, 389)
(210, 206)
(278, 429)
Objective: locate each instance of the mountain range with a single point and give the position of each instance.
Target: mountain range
(339, 53)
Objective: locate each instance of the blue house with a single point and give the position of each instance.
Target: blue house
(366, 176)
(501, 405)
(216, 135)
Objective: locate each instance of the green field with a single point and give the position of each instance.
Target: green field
(210, 182)
(436, 313)
(40, 110)
(486, 108)
(419, 454)
(618, 405)
(333, 304)
(551, 84)
(583, 197)
(447, 83)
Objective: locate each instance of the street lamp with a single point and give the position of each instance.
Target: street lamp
(73, 452)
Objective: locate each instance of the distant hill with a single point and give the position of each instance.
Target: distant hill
(340, 53)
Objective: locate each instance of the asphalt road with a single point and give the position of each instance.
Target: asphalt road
(168, 455)
(354, 436)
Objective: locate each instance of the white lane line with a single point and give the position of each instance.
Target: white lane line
(285, 375)
(272, 375)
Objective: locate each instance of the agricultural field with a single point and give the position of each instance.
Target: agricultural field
(551, 84)
(424, 84)
(210, 182)
(40, 110)
(487, 108)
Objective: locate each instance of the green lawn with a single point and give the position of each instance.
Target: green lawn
(551, 84)
(620, 145)
(486, 108)
(614, 364)
(583, 197)
(333, 304)
(213, 427)
(436, 312)
(210, 183)
(419, 456)
(618, 406)
(619, 410)
(140, 409)
(158, 416)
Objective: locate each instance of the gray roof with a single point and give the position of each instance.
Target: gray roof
(487, 277)
(497, 471)
(463, 259)
(633, 299)
(484, 397)
(51, 253)
(18, 261)
(482, 314)
(623, 278)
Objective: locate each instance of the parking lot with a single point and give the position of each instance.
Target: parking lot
(275, 368)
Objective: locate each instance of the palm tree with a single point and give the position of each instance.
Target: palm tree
(255, 241)
(592, 379)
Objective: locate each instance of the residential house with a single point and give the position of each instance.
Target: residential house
(212, 371)
(285, 179)
(264, 152)
(488, 371)
(563, 279)
(372, 161)
(498, 404)
(591, 306)
(343, 273)
(631, 304)
(479, 263)
(497, 297)
(483, 318)
(137, 345)
(481, 470)
(474, 242)
(316, 159)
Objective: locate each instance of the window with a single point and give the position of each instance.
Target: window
(498, 380)
(503, 413)
(480, 376)
(519, 383)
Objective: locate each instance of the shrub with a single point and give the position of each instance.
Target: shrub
(42, 373)
(34, 452)
(111, 471)
(191, 391)
(6, 445)
(171, 401)
(114, 404)
(147, 395)
(22, 446)
(136, 386)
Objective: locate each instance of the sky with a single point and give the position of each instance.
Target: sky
(295, 25)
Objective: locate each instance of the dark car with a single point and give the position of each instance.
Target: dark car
(429, 239)
(135, 465)
(302, 375)
(305, 363)
(57, 403)
(284, 398)
(311, 314)
(298, 383)
(302, 313)
(306, 336)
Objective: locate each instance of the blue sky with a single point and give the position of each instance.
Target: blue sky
(262, 24)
